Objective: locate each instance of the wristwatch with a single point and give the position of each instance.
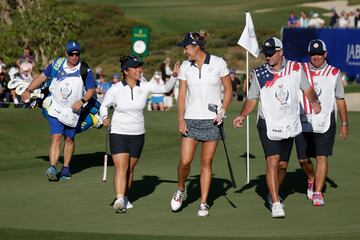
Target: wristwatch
(83, 100)
(345, 124)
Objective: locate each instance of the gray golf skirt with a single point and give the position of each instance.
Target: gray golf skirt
(203, 130)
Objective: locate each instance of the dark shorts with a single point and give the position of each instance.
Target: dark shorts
(271, 147)
(310, 145)
(202, 130)
(132, 144)
(57, 127)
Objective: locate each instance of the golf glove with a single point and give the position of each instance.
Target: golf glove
(220, 116)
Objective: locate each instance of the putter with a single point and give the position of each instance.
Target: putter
(105, 153)
(213, 108)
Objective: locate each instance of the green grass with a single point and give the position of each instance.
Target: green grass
(170, 19)
(33, 208)
(171, 16)
(353, 87)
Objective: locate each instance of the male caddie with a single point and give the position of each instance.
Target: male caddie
(276, 84)
(318, 131)
(68, 93)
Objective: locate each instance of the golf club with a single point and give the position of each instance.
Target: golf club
(105, 153)
(213, 108)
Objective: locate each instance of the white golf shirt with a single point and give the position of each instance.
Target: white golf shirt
(129, 103)
(203, 86)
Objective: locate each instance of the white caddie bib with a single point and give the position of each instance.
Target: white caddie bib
(279, 100)
(323, 82)
(66, 88)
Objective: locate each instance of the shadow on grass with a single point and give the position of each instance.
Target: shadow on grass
(295, 182)
(146, 186)
(218, 188)
(80, 162)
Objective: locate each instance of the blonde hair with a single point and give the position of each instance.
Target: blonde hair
(200, 38)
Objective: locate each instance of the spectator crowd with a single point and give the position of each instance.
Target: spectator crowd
(25, 64)
(349, 19)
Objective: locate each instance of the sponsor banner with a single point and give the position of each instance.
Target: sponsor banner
(343, 46)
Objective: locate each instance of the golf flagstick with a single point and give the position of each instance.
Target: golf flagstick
(213, 108)
(248, 41)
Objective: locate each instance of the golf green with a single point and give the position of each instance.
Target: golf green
(33, 208)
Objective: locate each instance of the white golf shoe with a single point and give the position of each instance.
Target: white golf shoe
(127, 203)
(270, 202)
(177, 199)
(277, 210)
(203, 210)
(119, 206)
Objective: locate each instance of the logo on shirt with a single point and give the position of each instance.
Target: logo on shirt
(317, 89)
(65, 91)
(282, 95)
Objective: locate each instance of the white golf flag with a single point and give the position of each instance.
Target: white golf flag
(248, 37)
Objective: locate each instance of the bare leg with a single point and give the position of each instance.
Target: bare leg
(321, 172)
(154, 106)
(121, 164)
(188, 147)
(130, 173)
(282, 172)
(68, 151)
(272, 178)
(207, 155)
(161, 107)
(54, 151)
(308, 168)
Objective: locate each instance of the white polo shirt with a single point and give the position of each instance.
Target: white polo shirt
(129, 103)
(203, 86)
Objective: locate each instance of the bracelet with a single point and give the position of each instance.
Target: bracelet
(345, 124)
(29, 90)
(83, 100)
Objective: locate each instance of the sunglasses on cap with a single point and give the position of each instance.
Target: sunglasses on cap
(71, 54)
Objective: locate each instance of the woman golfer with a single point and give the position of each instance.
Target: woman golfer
(200, 79)
(128, 97)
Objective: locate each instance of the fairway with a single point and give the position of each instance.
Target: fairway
(33, 208)
(177, 17)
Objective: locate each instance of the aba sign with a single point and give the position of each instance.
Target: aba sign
(353, 54)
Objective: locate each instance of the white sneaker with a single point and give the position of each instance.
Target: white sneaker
(269, 199)
(127, 203)
(277, 210)
(119, 206)
(203, 210)
(177, 199)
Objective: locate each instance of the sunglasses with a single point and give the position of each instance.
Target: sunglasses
(317, 54)
(71, 54)
(269, 55)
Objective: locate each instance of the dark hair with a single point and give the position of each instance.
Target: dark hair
(200, 38)
(123, 59)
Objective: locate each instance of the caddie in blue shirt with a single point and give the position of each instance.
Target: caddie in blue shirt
(69, 91)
